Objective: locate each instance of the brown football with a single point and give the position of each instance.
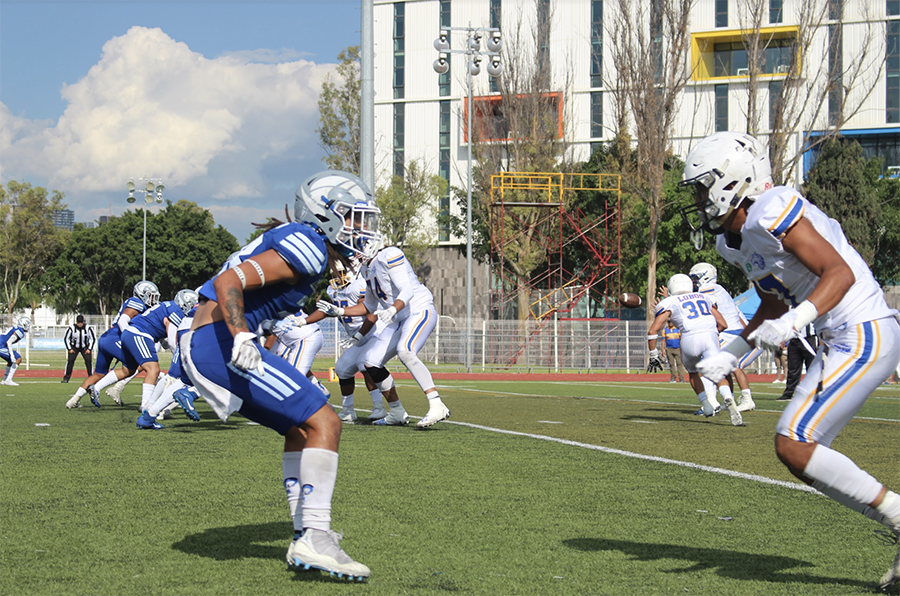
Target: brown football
(629, 300)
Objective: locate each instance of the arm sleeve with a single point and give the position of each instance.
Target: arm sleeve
(68, 338)
(171, 333)
(123, 321)
(92, 339)
(401, 280)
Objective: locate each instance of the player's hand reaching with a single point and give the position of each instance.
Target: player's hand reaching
(352, 341)
(329, 309)
(774, 332)
(656, 363)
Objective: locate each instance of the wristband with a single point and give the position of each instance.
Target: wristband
(806, 313)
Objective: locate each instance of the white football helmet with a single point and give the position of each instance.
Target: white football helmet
(725, 168)
(24, 323)
(680, 284)
(186, 300)
(703, 274)
(341, 207)
(147, 292)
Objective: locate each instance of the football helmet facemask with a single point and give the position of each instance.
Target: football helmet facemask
(341, 207)
(342, 276)
(186, 300)
(724, 168)
(24, 323)
(147, 292)
(680, 284)
(703, 275)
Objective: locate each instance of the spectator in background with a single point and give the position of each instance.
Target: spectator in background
(780, 357)
(673, 352)
(79, 339)
(801, 351)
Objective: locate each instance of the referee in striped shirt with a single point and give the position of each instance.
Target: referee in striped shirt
(79, 340)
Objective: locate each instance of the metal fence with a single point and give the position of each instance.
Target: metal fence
(585, 345)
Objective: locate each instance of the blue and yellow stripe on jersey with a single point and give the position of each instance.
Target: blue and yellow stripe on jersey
(398, 260)
(791, 215)
(836, 386)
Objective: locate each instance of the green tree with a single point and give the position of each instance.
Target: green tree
(886, 262)
(408, 206)
(843, 185)
(184, 249)
(28, 238)
(339, 113)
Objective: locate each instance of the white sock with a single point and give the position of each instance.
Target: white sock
(395, 405)
(347, 401)
(318, 473)
(710, 390)
(290, 472)
(12, 371)
(6, 372)
(837, 476)
(164, 399)
(745, 393)
(725, 390)
(106, 381)
(79, 392)
(377, 398)
(147, 395)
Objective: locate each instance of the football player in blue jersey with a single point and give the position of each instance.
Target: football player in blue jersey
(139, 347)
(12, 336)
(270, 278)
(109, 346)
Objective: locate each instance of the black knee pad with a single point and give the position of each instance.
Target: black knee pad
(378, 374)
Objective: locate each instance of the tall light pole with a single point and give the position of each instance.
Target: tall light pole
(152, 186)
(474, 55)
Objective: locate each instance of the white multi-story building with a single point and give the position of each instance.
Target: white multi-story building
(420, 115)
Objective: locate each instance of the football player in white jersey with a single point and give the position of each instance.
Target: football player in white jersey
(395, 295)
(705, 278)
(298, 343)
(805, 271)
(699, 322)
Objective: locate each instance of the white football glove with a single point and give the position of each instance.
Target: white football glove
(353, 341)
(718, 366)
(386, 315)
(245, 354)
(774, 332)
(329, 309)
(655, 363)
(295, 320)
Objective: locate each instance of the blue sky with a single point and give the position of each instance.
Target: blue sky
(215, 97)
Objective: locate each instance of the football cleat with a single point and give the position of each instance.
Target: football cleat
(73, 402)
(95, 395)
(708, 409)
(185, 399)
(9, 383)
(394, 418)
(893, 574)
(435, 414)
(736, 418)
(147, 422)
(378, 413)
(115, 392)
(319, 549)
(347, 414)
(747, 404)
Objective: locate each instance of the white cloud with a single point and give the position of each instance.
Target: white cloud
(222, 132)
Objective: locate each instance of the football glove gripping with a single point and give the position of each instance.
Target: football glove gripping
(353, 341)
(774, 332)
(718, 366)
(386, 315)
(329, 309)
(245, 354)
(655, 363)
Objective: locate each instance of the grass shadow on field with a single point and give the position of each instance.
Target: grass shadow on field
(238, 542)
(726, 563)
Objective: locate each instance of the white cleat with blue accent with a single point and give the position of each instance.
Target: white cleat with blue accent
(319, 549)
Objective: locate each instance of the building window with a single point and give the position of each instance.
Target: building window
(597, 43)
(776, 98)
(721, 13)
(444, 79)
(731, 58)
(893, 8)
(721, 107)
(490, 123)
(399, 48)
(495, 8)
(444, 169)
(835, 9)
(776, 11)
(892, 68)
(835, 74)
(596, 115)
(399, 128)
